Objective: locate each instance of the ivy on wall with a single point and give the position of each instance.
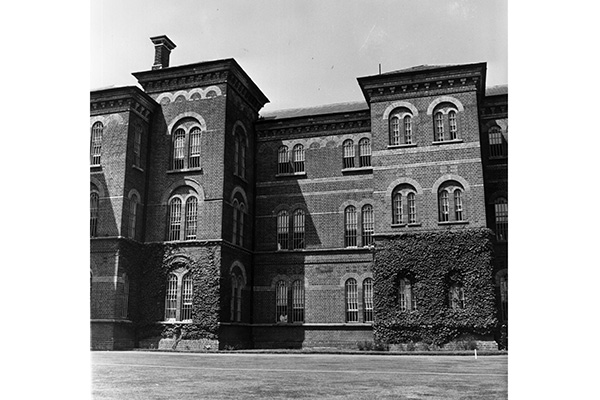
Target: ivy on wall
(433, 261)
(148, 267)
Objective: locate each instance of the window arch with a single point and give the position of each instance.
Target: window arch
(298, 158)
(179, 296)
(182, 216)
(186, 145)
(456, 296)
(94, 207)
(283, 230)
(96, 143)
(133, 206)
(400, 127)
(445, 122)
(348, 148)
(501, 219)
(406, 299)
(450, 202)
(404, 204)
(298, 229)
(283, 161)
(350, 227)
(364, 152)
(367, 225)
(368, 300)
(497, 143)
(351, 291)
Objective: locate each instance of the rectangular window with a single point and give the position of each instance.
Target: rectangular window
(439, 126)
(501, 214)
(395, 131)
(407, 129)
(458, 206)
(194, 160)
(94, 201)
(496, 142)
(368, 299)
(397, 209)
(191, 218)
(175, 219)
(452, 122)
(412, 208)
(444, 206)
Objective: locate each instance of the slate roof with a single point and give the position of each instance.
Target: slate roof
(317, 110)
(496, 90)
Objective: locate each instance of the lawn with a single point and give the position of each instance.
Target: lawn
(152, 375)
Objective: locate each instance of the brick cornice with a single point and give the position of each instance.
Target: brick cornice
(122, 100)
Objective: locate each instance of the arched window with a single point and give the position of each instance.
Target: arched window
(123, 297)
(401, 127)
(298, 301)
(281, 301)
(394, 130)
(458, 207)
(241, 212)
(367, 225)
(368, 300)
(407, 129)
(133, 203)
(439, 126)
(397, 208)
(94, 202)
(364, 152)
(298, 158)
(283, 161)
(452, 124)
(298, 229)
(504, 296)
(350, 226)
(496, 139)
(445, 119)
(175, 219)
(96, 143)
(191, 218)
(450, 198)
(194, 151)
(404, 205)
(283, 230)
(501, 219)
(137, 146)
(412, 208)
(239, 160)
(406, 300)
(348, 159)
(444, 206)
(351, 290)
(237, 283)
(178, 149)
(235, 207)
(179, 296)
(456, 296)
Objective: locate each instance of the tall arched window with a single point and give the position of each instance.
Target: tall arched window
(124, 297)
(187, 295)
(298, 229)
(444, 206)
(350, 226)
(397, 208)
(406, 300)
(94, 202)
(133, 204)
(367, 225)
(496, 142)
(239, 160)
(412, 208)
(171, 298)
(237, 284)
(137, 146)
(351, 290)
(194, 151)
(451, 202)
(242, 212)
(281, 301)
(348, 159)
(179, 296)
(96, 143)
(404, 205)
(364, 152)
(407, 129)
(191, 218)
(368, 300)
(186, 145)
(175, 219)
(456, 296)
(452, 124)
(178, 149)
(501, 219)
(283, 230)
(283, 161)
(298, 301)
(394, 130)
(439, 126)
(445, 121)
(458, 207)
(298, 158)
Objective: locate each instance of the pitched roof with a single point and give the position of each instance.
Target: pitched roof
(423, 67)
(317, 110)
(496, 90)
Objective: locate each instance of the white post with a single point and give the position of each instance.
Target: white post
(476, 354)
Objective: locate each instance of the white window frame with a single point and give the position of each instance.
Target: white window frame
(96, 143)
(368, 300)
(349, 153)
(351, 297)
(350, 227)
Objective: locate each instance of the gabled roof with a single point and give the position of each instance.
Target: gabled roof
(317, 110)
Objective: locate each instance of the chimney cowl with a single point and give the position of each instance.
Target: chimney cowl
(162, 50)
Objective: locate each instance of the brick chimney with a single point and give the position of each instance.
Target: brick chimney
(162, 49)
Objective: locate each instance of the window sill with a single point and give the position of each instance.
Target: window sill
(447, 141)
(96, 166)
(187, 321)
(357, 170)
(453, 222)
(397, 225)
(137, 168)
(174, 171)
(288, 174)
(401, 146)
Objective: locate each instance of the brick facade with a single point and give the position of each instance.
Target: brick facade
(240, 192)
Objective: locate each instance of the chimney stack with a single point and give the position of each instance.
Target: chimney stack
(162, 50)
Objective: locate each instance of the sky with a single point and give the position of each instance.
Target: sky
(299, 53)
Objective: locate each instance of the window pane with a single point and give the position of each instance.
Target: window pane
(281, 299)
(298, 228)
(444, 206)
(452, 122)
(187, 294)
(283, 165)
(283, 229)
(458, 206)
(94, 201)
(350, 226)
(439, 126)
(171, 298)
(298, 158)
(496, 142)
(367, 225)
(178, 149)
(407, 129)
(194, 160)
(351, 300)
(412, 208)
(368, 299)
(364, 151)
(133, 202)
(348, 148)
(501, 216)
(298, 301)
(394, 131)
(397, 209)
(96, 143)
(175, 219)
(191, 218)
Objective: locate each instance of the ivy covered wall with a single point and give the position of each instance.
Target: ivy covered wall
(433, 261)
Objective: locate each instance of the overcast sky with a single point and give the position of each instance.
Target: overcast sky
(299, 53)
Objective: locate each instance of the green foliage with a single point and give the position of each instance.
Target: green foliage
(433, 260)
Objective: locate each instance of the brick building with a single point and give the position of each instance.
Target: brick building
(215, 226)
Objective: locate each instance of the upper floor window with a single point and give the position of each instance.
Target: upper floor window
(94, 206)
(286, 300)
(298, 158)
(239, 210)
(348, 159)
(401, 127)
(456, 296)
(281, 301)
(186, 147)
(283, 230)
(501, 219)
(290, 164)
(364, 152)
(298, 301)
(445, 122)
(351, 291)
(133, 205)
(96, 143)
(182, 221)
(240, 153)
(237, 284)
(137, 146)
(350, 226)
(283, 161)
(406, 299)
(497, 142)
(368, 300)
(298, 229)
(404, 205)
(179, 296)
(450, 202)
(367, 225)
